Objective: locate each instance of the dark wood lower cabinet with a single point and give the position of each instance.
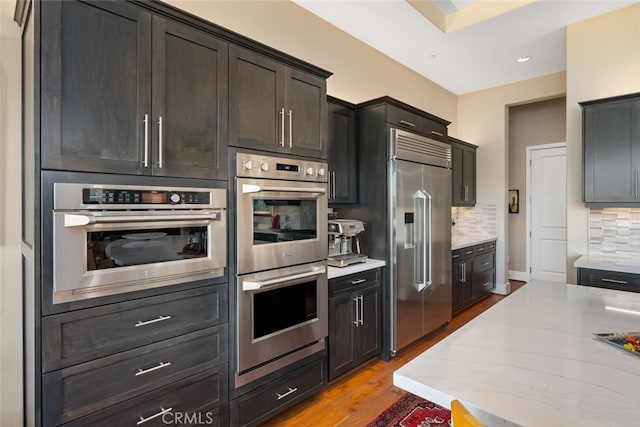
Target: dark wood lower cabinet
(609, 279)
(354, 321)
(473, 274)
(282, 391)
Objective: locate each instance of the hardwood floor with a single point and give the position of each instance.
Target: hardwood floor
(360, 395)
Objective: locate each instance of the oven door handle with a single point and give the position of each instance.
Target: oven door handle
(79, 220)
(253, 188)
(259, 284)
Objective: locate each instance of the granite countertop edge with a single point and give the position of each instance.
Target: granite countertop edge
(370, 264)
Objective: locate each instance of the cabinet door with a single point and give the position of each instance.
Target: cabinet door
(189, 102)
(463, 175)
(341, 334)
(341, 153)
(96, 86)
(611, 136)
(256, 101)
(306, 111)
(369, 331)
(462, 272)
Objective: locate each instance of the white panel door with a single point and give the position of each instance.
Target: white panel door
(548, 214)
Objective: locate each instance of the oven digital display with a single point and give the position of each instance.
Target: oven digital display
(113, 196)
(287, 168)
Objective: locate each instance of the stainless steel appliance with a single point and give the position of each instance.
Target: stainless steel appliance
(281, 242)
(282, 212)
(110, 239)
(420, 236)
(343, 235)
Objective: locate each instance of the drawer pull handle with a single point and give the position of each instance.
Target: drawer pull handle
(485, 263)
(159, 414)
(149, 322)
(468, 252)
(358, 281)
(480, 249)
(404, 122)
(155, 368)
(620, 282)
(455, 256)
(287, 393)
(437, 133)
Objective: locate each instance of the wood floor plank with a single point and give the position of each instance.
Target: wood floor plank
(358, 396)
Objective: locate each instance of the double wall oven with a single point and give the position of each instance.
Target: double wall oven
(281, 243)
(110, 239)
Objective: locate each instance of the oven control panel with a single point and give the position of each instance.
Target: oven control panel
(259, 166)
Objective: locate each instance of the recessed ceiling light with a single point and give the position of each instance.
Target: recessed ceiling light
(523, 59)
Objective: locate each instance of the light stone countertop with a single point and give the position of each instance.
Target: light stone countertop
(370, 264)
(621, 265)
(463, 240)
(532, 360)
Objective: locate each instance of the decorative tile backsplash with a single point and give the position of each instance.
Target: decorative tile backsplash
(614, 232)
(482, 219)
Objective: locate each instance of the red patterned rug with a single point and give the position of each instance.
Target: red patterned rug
(413, 411)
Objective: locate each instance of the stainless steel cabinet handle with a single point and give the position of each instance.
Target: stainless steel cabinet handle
(358, 281)
(282, 127)
(480, 249)
(159, 414)
(357, 316)
(437, 133)
(468, 252)
(485, 263)
(145, 160)
(620, 282)
(464, 273)
(333, 184)
(404, 122)
(361, 298)
(636, 181)
(455, 256)
(160, 365)
(149, 322)
(287, 393)
(290, 129)
(329, 185)
(160, 144)
(466, 193)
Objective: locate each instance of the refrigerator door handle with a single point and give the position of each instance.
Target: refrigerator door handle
(422, 261)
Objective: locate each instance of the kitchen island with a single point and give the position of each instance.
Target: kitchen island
(532, 360)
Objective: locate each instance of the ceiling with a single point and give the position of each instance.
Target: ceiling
(465, 45)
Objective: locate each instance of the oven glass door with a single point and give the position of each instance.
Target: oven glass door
(97, 253)
(280, 223)
(280, 311)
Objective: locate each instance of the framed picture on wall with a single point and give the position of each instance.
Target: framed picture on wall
(514, 201)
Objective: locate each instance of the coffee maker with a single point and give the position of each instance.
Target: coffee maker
(343, 236)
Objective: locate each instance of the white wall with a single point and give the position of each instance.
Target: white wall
(603, 60)
(483, 120)
(11, 386)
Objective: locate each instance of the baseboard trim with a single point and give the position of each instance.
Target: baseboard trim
(522, 276)
(502, 289)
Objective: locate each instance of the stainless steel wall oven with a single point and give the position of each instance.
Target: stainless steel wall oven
(281, 251)
(110, 239)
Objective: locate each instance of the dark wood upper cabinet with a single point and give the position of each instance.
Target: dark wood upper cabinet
(611, 151)
(124, 91)
(341, 152)
(274, 107)
(463, 173)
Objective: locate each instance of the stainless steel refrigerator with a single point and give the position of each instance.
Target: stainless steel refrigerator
(419, 207)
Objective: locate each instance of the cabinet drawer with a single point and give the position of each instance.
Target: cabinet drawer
(262, 403)
(483, 284)
(484, 248)
(80, 336)
(354, 281)
(201, 397)
(462, 253)
(416, 123)
(484, 262)
(82, 389)
(609, 280)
